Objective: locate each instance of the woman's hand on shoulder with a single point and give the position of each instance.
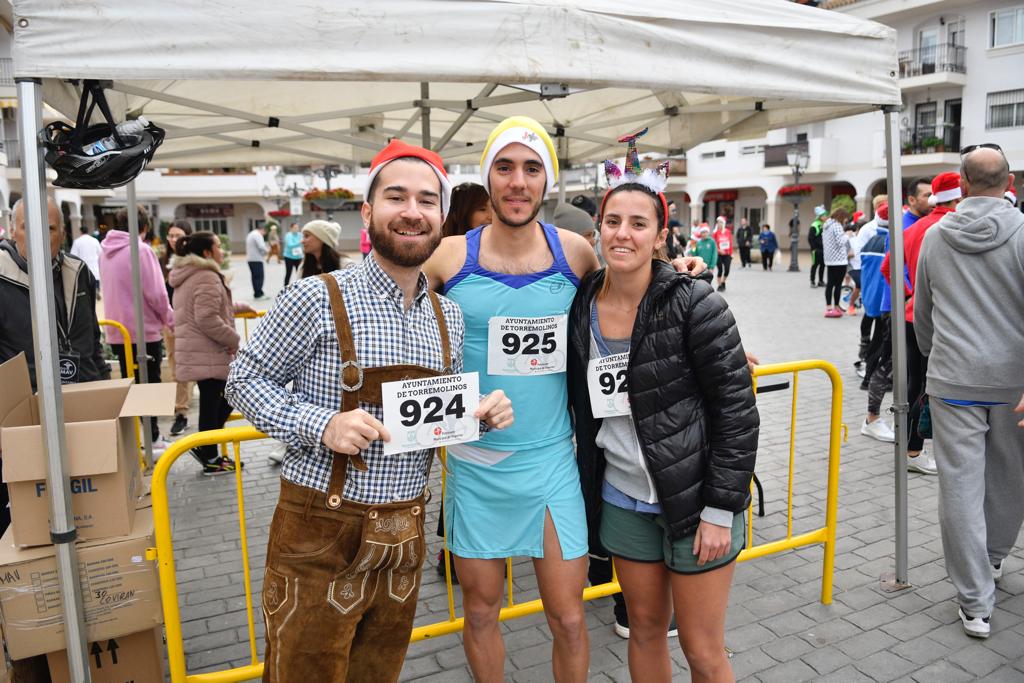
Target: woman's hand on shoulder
(690, 265)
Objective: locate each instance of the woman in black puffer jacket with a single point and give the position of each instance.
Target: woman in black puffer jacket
(666, 472)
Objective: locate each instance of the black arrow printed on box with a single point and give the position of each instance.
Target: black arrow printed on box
(96, 651)
(112, 649)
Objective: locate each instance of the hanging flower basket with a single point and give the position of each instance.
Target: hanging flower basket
(790, 190)
(279, 213)
(331, 199)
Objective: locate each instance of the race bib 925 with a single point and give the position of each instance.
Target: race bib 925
(526, 346)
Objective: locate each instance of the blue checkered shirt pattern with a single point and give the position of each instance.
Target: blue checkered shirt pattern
(296, 344)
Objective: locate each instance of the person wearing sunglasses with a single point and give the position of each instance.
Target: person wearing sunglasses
(969, 320)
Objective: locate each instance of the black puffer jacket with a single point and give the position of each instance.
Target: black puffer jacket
(691, 396)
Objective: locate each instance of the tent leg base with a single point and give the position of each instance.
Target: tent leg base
(889, 584)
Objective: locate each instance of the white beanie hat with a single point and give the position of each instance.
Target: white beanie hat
(327, 232)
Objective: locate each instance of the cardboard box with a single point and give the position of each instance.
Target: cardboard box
(102, 457)
(136, 658)
(120, 591)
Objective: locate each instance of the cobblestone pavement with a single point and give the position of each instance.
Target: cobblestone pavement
(776, 627)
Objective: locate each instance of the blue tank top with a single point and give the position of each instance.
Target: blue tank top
(540, 402)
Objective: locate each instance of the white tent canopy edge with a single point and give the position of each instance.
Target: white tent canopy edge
(724, 55)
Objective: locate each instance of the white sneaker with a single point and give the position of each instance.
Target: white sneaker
(878, 430)
(923, 463)
(997, 571)
(975, 627)
(160, 445)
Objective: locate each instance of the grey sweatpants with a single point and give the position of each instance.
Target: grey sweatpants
(979, 452)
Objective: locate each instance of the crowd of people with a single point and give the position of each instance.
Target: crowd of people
(659, 488)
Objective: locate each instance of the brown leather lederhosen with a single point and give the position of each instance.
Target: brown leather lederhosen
(363, 384)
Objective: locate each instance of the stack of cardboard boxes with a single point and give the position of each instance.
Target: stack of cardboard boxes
(120, 588)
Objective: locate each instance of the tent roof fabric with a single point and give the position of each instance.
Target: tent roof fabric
(248, 82)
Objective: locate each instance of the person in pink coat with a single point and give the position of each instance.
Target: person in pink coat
(118, 304)
(205, 337)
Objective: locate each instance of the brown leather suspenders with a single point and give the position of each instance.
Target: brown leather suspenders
(360, 384)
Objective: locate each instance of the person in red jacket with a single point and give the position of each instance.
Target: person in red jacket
(724, 241)
(946, 194)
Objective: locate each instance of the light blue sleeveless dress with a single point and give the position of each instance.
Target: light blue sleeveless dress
(499, 487)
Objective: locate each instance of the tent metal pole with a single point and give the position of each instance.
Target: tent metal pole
(50, 399)
(463, 117)
(425, 116)
(900, 408)
(140, 325)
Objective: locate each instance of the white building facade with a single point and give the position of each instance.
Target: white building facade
(961, 69)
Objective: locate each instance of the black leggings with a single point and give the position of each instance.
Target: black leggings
(766, 259)
(917, 370)
(834, 284)
(724, 261)
(817, 265)
(154, 357)
(213, 412)
(289, 265)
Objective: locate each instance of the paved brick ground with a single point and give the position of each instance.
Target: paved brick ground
(777, 627)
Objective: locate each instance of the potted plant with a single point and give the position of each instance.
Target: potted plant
(328, 199)
(795, 190)
(932, 144)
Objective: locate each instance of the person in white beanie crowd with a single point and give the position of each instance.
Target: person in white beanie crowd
(320, 248)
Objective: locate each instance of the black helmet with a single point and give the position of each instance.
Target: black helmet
(98, 157)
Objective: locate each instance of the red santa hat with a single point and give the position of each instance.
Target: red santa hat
(945, 188)
(882, 215)
(397, 149)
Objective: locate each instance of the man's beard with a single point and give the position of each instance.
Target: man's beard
(406, 255)
(517, 224)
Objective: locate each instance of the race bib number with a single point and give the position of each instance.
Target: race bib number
(526, 346)
(431, 412)
(723, 245)
(606, 383)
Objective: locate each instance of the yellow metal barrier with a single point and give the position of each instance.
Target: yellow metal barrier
(164, 551)
(129, 363)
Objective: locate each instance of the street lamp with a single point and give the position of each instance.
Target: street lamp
(797, 160)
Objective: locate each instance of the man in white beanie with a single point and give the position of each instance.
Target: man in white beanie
(517, 492)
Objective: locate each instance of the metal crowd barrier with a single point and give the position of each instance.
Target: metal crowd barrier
(164, 552)
(129, 364)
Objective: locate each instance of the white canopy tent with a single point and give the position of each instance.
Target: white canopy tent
(247, 82)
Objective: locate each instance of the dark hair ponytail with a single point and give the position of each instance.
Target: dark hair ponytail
(197, 243)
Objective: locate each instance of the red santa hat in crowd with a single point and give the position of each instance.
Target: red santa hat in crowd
(945, 188)
(882, 215)
(397, 149)
(1011, 194)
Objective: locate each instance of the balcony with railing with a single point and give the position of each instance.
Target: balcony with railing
(933, 65)
(925, 145)
(822, 154)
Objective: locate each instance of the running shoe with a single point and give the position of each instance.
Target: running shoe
(975, 627)
(160, 445)
(997, 571)
(622, 626)
(923, 463)
(219, 465)
(878, 430)
(180, 424)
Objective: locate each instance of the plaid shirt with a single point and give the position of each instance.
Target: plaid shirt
(296, 343)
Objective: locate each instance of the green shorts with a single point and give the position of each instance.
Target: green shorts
(643, 537)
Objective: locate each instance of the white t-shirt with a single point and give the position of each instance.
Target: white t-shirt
(87, 248)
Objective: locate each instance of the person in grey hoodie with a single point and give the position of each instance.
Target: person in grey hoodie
(969, 319)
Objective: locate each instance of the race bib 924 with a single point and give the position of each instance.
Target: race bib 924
(431, 412)
(526, 346)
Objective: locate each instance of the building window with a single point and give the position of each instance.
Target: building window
(217, 226)
(752, 149)
(1007, 27)
(720, 154)
(1005, 109)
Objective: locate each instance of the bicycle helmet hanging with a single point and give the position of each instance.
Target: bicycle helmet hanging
(101, 156)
